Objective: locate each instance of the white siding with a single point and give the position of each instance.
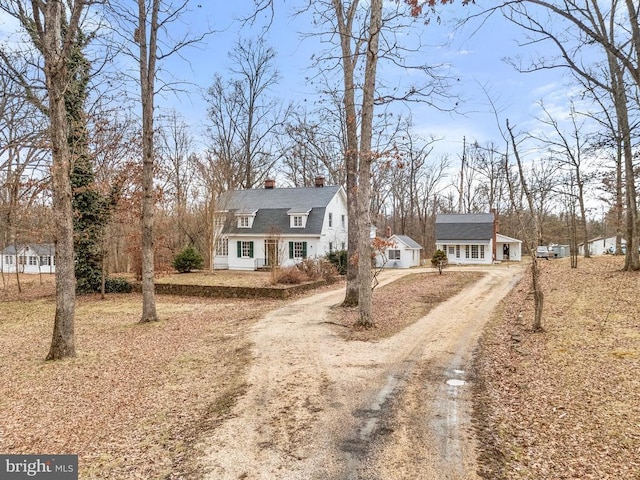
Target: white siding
(461, 247)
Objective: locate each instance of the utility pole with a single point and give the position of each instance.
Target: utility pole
(464, 159)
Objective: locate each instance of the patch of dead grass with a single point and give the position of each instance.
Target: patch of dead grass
(137, 398)
(403, 302)
(565, 403)
(218, 278)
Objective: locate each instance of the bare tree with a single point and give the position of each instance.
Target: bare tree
(580, 26)
(244, 118)
(568, 149)
(533, 237)
(148, 56)
(148, 26)
(53, 28)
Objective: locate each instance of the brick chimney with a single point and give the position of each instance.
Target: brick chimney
(319, 181)
(388, 231)
(269, 184)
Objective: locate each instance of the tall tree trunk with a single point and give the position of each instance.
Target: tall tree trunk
(147, 86)
(538, 294)
(632, 260)
(364, 168)
(63, 340)
(345, 27)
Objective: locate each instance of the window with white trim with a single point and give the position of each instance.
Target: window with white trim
(297, 250)
(474, 251)
(457, 251)
(33, 260)
(343, 222)
(45, 260)
(394, 254)
(222, 247)
(467, 251)
(243, 222)
(218, 221)
(330, 220)
(481, 251)
(452, 250)
(8, 259)
(297, 221)
(246, 249)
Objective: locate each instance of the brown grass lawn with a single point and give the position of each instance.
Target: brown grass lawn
(218, 278)
(391, 308)
(562, 404)
(565, 403)
(137, 397)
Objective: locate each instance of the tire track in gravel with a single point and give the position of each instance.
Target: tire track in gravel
(318, 407)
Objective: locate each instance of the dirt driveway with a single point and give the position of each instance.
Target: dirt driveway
(319, 407)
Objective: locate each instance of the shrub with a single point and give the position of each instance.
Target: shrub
(291, 276)
(439, 260)
(339, 260)
(187, 260)
(117, 285)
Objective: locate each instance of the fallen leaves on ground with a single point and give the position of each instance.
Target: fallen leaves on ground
(563, 403)
(138, 397)
(403, 302)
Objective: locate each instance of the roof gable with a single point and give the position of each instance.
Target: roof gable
(407, 241)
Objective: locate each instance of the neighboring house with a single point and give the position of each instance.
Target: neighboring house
(474, 239)
(403, 253)
(600, 245)
(272, 226)
(30, 258)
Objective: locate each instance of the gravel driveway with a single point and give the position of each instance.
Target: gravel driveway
(319, 407)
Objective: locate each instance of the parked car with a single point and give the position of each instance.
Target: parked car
(542, 252)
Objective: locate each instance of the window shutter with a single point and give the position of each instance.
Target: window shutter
(304, 249)
(239, 249)
(250, 249)
(290, 249)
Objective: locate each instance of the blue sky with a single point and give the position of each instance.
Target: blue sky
(476, 58)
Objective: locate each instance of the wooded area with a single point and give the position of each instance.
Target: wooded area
(83, 142)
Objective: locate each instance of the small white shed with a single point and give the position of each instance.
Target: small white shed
(404, 253)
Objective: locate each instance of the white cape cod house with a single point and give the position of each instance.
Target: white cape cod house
(474, 239)
(29, 258)
(278, 226)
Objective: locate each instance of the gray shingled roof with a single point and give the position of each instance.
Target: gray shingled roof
(39, 249)
(272, 207)
(408, 241)
(466, 227)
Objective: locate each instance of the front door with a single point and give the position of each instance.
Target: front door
(271, 253)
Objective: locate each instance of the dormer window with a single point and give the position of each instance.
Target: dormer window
(298, 219)
(245, 219)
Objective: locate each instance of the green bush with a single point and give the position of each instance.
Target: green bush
(117, 285)
(439, 260)
(339, 259)
(187, 260)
